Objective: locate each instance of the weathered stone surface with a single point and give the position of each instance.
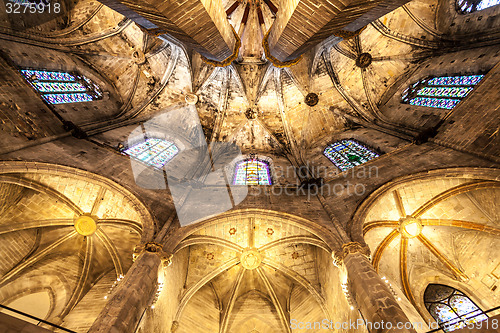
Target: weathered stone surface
(375, 300)
(201, 24)
(146, 77)
(131, 298)
(301, 24)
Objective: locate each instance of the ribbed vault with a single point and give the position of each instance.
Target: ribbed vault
(64, 230)
(244, 263)
(455, 219)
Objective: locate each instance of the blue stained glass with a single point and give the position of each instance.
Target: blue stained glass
(468, 6)
(252, 172)
(443, 92)
(29, 2)
(443, 312)
(347, 154)
(139, 148)
(67, 98)
(467, 80)
(153, 151)
(61, 87)
(163, 157)
(464, 307)
(454, 311)
(487, 3)
(96, 88)
(47, 76)
(435, 102)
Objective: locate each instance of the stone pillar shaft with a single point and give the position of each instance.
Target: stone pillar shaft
(132, 296)
(373, 297)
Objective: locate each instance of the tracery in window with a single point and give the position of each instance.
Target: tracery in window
(153, 151)
(451, 308)
(469, 6)
(252, 171)
(346, 154)
(443, 92)
(62, 87)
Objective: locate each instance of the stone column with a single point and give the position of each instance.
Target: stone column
(370, 293)
(134, 293)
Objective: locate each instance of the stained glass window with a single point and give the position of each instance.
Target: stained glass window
(62, 87)
(32, 2)
(451, 308)
(152, 151)
(443, 92)
(252, 171)
(346, 154)
(469, 6)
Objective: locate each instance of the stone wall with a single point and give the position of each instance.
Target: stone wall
(470, 62)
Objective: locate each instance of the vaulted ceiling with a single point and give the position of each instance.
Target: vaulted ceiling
(260, 107)
(459, 225)
(251, 273)
(253, 263)
(146, 76)
(67, 233)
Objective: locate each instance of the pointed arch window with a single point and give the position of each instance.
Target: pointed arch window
(62, 87)
(153, 151)
(469, 6)
(443, 92)
(451, 308)
(347, 154)
(252, 171)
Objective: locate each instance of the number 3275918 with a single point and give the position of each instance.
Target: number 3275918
(32, 8)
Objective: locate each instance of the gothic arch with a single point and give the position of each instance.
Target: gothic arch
(355, 226)
(439, 214)
(330, 239)
(14, 167)
(270, 237)
(421, 286)
(76, 225)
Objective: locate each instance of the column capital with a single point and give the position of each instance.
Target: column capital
(175, 326)
(350, 248)
(155, 248)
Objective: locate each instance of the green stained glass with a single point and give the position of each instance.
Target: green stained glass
(346, 154)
